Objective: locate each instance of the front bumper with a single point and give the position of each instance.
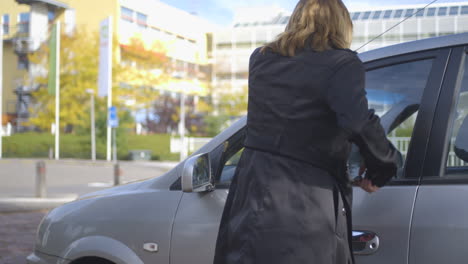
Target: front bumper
(41, 258)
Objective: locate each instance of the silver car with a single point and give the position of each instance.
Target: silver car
(420, 89)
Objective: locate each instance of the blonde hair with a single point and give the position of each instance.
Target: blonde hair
(317, 24)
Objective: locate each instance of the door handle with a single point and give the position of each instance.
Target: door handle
(365, 242)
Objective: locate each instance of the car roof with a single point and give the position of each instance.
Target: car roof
(415, 46)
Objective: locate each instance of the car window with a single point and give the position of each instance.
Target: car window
(395, 93)
(457, 158)
(229, 168)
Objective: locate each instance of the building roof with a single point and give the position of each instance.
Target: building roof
(49, 2)
(280, 19)
(415, 46)
(403, 11)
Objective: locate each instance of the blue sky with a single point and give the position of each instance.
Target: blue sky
(221, 11)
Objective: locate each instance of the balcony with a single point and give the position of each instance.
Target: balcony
(19, 35)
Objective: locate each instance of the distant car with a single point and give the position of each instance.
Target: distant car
(420, 90)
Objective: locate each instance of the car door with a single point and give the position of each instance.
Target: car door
(404, 91)
(439, 232)
(199, 214)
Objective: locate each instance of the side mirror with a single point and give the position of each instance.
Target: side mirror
(196, 174)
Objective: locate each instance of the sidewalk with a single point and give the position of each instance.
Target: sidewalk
(17, 235)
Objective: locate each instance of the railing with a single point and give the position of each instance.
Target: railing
(20, 30)
(402, 144)
(192, 144)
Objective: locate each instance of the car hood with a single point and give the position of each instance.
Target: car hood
(114, 190)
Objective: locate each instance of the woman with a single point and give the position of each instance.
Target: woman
(289, 202)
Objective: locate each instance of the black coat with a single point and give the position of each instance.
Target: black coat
(290, 199)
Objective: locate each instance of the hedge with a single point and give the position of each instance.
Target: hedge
(38, 145)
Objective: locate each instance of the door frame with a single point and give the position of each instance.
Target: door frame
(435, 164)
(424, 122)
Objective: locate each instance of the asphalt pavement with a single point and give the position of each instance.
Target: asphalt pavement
(71, 177)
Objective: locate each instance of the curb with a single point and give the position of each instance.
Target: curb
(20, 204)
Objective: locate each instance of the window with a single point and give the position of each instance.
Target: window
(431, 12)
(230, 167)
(51, 15)
(395, 93)
(232, 152)
(398, 13)
(23, 25)
(388, 14)
(6, 24)
(366, 15)
(377, 15)
(420, 12)
(409, 12)
(457, 160)
(442, 11)
(142, 20)
(464, 10)
(454, 10)
(126, 14)
(356, 15)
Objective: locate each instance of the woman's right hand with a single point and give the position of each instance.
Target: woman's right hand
(367, 185)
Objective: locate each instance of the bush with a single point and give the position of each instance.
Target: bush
(38, 145)
(159, 144)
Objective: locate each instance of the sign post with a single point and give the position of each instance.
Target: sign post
(113, 123)
(105, 71)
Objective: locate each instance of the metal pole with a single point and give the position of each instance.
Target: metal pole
(1, 90)
(109, 88)
(41, 191)
(116, 163)
(183, 150)
(57, 95)
(114, 147)
(117, 173)
(93, 130)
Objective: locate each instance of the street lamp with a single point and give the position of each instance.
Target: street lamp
(93, 128)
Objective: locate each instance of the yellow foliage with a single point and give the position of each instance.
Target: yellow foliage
(79, 67)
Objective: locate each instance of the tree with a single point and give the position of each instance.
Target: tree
(78, 72)
(229, 108)
(144, 68)
(79, 62)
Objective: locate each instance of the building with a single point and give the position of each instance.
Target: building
(27, 25)
(436, 20)
(233, 46)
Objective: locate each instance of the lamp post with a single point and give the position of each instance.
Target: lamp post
(93, 127)
(183, 150)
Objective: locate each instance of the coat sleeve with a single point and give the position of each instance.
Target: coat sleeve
(346, 97)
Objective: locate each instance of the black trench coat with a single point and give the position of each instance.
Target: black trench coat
(290, 199)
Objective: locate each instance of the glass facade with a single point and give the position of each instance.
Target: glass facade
(232, 48)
